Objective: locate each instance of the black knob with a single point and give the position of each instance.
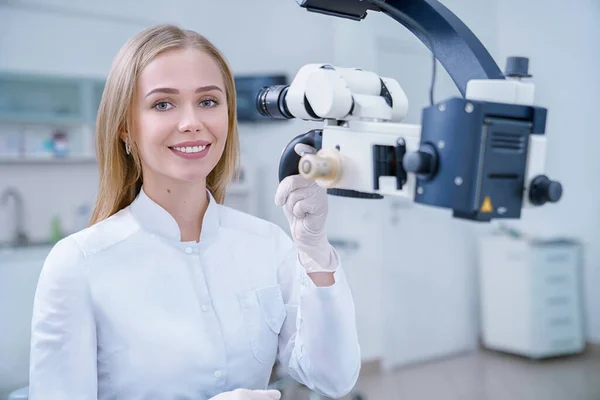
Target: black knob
(544, 190)
(418, 162)
(423, 162)
(517, 67)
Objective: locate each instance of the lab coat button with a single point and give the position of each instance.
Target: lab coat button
(204, 307)
(218, 374)
(188, 250)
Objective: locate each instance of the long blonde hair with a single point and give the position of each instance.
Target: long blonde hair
(120, 173)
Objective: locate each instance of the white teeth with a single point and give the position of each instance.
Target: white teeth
(190, 149)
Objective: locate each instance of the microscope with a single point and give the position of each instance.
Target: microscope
(481, 155)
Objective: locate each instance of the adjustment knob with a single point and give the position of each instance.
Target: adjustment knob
(544, 190)
(422, 162)
(418, 162)
(517, 67)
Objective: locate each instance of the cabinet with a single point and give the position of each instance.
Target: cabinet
(411, 272)
(531, 296)
(19, 273)
(47, 118)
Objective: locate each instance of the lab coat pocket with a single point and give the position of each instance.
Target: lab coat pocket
(264, 313)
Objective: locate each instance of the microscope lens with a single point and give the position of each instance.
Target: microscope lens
(270, 102)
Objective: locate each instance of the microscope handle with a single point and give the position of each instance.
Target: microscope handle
(288, 165)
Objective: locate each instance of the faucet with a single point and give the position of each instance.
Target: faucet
(19, 236)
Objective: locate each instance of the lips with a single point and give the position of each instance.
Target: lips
(191, 149)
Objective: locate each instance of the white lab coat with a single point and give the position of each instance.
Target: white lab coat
(125, 310)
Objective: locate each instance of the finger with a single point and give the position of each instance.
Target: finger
(288, 213)
(303, 208)
(302, 149)
(302, 200)
(240, 393)
(298, 182)
(283, 191)
(273, 394)
(289, 185)
(265, 395)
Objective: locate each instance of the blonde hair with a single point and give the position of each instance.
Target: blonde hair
(120, 173)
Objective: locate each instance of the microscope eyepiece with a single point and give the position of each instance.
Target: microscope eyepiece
(270, 102)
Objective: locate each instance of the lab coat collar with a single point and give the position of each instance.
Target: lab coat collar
(155, 219)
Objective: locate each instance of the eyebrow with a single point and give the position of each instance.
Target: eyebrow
(175, 91)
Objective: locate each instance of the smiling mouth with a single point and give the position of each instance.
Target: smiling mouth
(190, 149)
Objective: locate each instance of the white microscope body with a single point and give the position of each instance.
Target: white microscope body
(361, 110)
(356, 117)
(482, 155)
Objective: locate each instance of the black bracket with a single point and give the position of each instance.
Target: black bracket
(457, 48)
(387, 161)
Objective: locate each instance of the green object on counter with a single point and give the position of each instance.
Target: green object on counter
(56, 231)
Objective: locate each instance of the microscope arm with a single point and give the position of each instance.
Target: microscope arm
(459, 51)
(481, 155)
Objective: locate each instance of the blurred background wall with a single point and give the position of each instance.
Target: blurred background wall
(413, 270)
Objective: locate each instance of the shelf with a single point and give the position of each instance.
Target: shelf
(36, 119)
(45, 99)
(47, 160)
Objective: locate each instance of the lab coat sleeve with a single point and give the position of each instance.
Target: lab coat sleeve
(63, 332)
(318, 343)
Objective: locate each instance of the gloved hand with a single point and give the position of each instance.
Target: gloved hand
(246, 394)
(305, 206)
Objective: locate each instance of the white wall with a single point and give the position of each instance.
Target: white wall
(553, 35)
(66, 37)
(412, 275)
(561, 39)
(69, 37)
(76, 38)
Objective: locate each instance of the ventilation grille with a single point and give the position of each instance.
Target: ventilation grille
(513, 142)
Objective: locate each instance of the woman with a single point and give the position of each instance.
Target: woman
(169, 294)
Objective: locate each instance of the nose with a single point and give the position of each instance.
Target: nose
(190, 121)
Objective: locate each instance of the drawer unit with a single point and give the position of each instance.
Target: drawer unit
(530, 296)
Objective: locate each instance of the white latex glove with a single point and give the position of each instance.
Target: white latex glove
(245, 394)
(305, 206)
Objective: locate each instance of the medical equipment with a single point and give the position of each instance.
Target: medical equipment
(481, 155)
(543, 316)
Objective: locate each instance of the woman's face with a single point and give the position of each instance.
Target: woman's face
(180, 116)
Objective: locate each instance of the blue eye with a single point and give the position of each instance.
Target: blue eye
(208, 103)
(163, 106)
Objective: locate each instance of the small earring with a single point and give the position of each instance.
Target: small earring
(127, 147)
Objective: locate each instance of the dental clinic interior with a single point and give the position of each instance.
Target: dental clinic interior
(467, 220)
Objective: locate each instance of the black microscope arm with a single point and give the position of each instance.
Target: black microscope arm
(459, 51)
